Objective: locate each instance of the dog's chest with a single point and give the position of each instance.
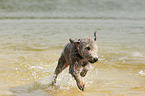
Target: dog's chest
(80, 63)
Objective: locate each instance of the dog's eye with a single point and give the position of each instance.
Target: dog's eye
(88, 48)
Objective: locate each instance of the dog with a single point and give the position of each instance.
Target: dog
(77, 54)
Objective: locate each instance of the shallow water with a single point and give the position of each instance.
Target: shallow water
(34, 32)
(30, 48)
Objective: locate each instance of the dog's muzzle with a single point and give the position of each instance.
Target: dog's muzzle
(93, 60)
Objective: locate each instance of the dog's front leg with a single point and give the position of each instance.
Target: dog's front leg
(76, 77)
(85, 70)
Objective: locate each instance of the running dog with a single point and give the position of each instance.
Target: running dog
(77, 54)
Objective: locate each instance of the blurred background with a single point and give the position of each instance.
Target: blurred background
(97, 9)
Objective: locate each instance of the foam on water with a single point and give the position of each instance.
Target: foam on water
(142, 73)
(138, 54)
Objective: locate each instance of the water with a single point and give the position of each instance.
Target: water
(32, 38)
(99, 9)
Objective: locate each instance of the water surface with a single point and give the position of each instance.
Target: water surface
(30, 50)
(33, 34)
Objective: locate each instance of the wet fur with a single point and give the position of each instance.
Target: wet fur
(77, 54)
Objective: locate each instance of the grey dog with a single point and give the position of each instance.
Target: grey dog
(77, 54)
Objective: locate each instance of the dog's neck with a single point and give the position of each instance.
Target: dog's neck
(77, 53)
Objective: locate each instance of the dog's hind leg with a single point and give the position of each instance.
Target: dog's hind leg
(60, 67)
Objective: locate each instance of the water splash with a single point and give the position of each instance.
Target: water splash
(142, 73)
(137, 54)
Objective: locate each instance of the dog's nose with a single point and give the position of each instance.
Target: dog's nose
(95, 59)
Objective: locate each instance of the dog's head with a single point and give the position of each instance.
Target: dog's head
(87, 48)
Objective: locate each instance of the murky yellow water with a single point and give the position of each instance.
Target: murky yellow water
(29, 50)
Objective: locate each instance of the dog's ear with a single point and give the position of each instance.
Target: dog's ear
(95, 35)
(76, 42)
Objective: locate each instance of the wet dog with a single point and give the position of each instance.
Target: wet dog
(78, 53)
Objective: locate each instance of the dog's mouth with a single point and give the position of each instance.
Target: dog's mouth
(93, 60)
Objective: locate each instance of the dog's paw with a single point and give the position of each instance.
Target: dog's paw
(81, 86)
(83, 73)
